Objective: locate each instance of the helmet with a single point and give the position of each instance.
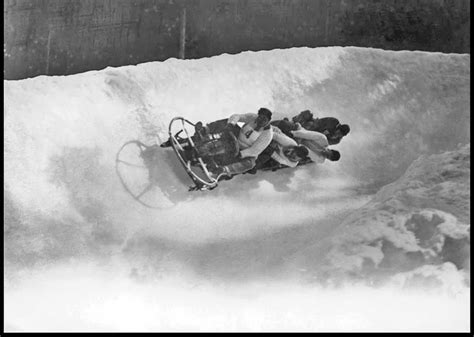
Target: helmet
(306, 115)
(344, 129)
(301, 151)
(265, 112)
(334, 155)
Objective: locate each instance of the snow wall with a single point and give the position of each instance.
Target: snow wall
(394, 210)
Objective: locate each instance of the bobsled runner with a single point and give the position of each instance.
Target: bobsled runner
(201, 156)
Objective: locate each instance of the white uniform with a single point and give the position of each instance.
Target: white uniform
(283, 141)
(251, 142)
(315, 141)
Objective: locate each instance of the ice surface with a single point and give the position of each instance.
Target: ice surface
(393, 212)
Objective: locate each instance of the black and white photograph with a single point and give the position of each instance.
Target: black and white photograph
(236, 166)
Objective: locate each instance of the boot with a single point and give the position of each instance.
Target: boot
(216, 170)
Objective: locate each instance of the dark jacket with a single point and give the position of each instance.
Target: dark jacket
(323, 124)
(285, 126)
(326, 125)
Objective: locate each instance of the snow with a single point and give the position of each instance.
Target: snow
(389, 223)
(414, 215)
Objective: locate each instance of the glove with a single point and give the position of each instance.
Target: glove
(273, 146)
(228, 128)
(277, 167)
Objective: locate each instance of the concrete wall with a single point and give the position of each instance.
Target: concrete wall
(232, 26)
(58, 37)
(70, 36)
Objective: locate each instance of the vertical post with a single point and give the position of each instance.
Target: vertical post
(182, 35)
(48, 49)
(326, 28)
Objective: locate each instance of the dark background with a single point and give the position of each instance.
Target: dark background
(60, 37)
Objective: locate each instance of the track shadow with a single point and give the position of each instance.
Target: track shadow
(172, 180)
